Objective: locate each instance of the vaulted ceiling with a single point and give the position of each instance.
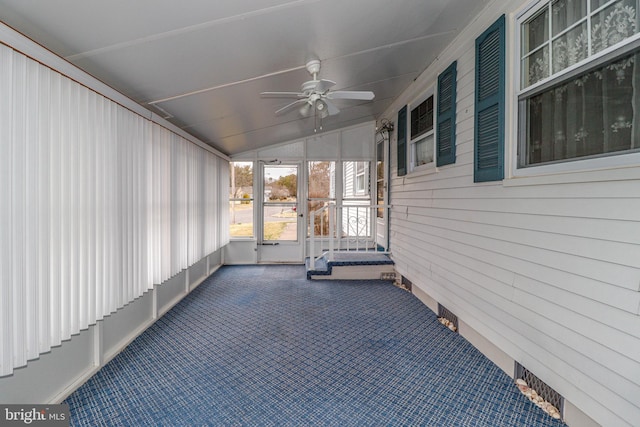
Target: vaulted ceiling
(202, 64)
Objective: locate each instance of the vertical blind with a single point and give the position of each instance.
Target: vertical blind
(99, 204)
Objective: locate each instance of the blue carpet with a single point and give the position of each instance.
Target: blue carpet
(262, 346)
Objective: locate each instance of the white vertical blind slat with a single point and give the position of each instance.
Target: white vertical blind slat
(18, 208)
(43, 233)
(6, 122)
(31, 214)
(63, 212)
(55, 224)
(100, 217)
(102, 205)
(91, 211)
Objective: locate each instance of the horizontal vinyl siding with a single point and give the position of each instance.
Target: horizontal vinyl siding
(549, 273)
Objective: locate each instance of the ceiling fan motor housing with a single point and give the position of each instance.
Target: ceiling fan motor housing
(313, 67)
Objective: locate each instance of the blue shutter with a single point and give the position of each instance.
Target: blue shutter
(402, 141)
(446, 130)
(489, 104)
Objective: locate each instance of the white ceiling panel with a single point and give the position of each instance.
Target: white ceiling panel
(206, 62)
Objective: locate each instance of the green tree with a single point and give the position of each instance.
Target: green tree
(290, 182)
(319, 180)
(243, 175)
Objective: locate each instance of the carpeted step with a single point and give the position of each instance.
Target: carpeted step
(352, 264)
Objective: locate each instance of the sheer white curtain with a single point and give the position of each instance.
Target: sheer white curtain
(98, 205)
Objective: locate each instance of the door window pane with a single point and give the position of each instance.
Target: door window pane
(280, 222)
(280, 207)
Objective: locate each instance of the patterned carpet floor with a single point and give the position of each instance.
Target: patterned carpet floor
(263, 346)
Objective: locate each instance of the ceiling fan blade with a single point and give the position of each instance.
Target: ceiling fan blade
(282, 95)
(351, 94)
(290, 107)
(324, 85)
(331, 108)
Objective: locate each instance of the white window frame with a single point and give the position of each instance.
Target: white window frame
(325, 200)
(242, 200)
(412, 142)
(578, 164)
(354, 192)
(361, 188)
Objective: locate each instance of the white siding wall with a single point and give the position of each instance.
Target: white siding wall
(546, 268)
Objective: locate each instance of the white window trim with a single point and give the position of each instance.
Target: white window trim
(513, 92)
(411, 160)
(365, 169)
(242, 199)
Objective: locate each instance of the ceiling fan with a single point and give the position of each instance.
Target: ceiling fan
(315, 95)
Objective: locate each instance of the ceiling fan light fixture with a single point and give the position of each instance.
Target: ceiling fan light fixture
(304, 110)
(316, 95)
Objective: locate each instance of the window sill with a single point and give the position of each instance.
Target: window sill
(614, 168)
(423, 170)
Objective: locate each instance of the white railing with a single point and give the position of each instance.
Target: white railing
(321, 230)
(347, 227)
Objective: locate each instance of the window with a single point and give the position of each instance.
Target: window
(356, 180)
(422, 136)
(401, 151)
(241, 199)
(360, 178)
(321, 191)
(579, 90)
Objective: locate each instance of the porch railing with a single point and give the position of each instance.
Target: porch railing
(346, 227)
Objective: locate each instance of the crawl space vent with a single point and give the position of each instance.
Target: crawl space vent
(447, 318)
(541, 394)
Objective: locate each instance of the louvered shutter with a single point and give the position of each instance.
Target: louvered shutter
(402, 141)
(446, 130)
(489, 104)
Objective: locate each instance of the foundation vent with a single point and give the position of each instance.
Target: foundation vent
(447, 318)
(404, 283)
(539, 392)
(388, 276)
